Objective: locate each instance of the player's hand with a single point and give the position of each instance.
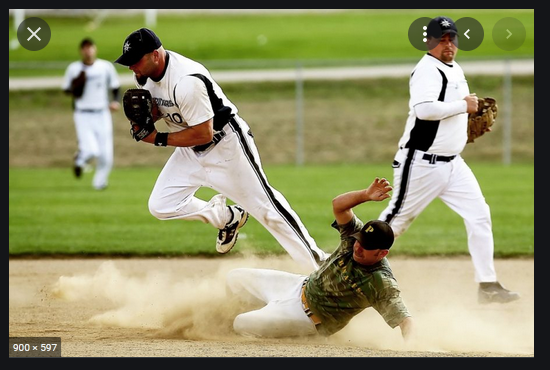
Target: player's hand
(408, 332)
(471, 101)
(378, 190)
(114, 106)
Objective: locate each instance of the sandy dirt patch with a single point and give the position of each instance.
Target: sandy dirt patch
(176, 307)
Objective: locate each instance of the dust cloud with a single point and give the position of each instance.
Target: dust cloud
(195, 307)
(190, 307)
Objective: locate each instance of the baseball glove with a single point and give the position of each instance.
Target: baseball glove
(138, 107)
(481, 121)
(77, 84)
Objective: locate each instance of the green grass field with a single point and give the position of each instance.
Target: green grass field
(50, 212)
(265, 40)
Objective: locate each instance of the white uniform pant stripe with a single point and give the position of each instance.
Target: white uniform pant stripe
(277, 199)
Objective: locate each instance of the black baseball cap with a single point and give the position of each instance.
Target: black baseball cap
(440, 26)
(375, 234)
(136, 45)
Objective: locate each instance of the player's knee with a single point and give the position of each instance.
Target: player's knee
(479, 215)
(271, 218)
(234, 278)
(155, 208)
(232, 275)
(399, 228)
(244, 325)
(230, 280)
(240, 326)
(484, 218)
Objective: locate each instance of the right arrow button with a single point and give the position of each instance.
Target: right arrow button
(503, 31)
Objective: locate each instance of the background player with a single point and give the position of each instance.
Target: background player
(428, 163)
(94, 85)
(214, 147)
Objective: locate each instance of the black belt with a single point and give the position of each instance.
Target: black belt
(89, 110)
(216, 139)
(432, 158)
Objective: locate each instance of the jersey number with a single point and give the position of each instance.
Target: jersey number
(176, 118)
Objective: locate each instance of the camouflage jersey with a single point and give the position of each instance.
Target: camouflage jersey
(341, 288)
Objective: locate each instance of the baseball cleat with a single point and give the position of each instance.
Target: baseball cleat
(494, 292)
(227, 237)
(76, 168)
(77, 171)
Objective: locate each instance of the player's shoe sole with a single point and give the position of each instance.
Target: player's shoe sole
(227, 237)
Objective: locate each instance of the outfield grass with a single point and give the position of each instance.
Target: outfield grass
(50, 212)
(264, 40)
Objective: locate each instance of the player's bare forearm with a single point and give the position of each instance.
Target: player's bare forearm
(195, 135)
(343, 204)
(407, 329)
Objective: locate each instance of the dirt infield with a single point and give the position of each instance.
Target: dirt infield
(176, 307)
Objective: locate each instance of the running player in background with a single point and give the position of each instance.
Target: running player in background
(95, 86)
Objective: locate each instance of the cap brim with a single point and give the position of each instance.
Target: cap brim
(449, 31)
(359, 237)
(127, 59)
(369, 245)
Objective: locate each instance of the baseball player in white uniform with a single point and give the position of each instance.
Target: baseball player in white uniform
(215, 148)
(428, 163)
(92, 105)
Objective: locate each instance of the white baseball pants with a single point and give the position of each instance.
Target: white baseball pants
(233, 168)
(280, 291)
(94, 132)
(417, 182)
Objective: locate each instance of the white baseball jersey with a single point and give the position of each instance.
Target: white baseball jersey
(232, 167)
(428, 163)
(92, 117)
(182, 98)
(101, 79)
(437, 120)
